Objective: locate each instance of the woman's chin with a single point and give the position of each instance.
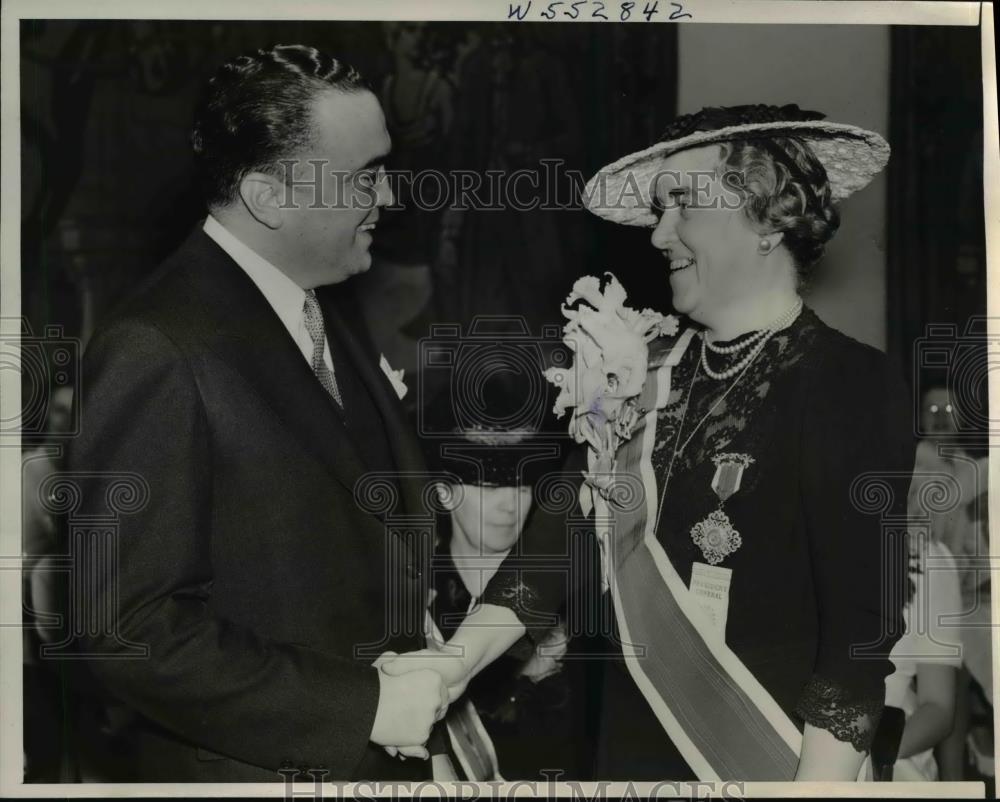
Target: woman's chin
(683, 303)
(682, 281)
(498, 542)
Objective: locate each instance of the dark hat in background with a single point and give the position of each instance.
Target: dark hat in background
(491, 440)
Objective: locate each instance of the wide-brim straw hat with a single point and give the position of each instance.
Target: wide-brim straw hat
(852, 156)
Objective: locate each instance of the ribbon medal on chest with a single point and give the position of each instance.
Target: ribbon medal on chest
(715, 535)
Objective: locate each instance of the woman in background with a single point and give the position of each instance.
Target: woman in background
(927, 659)
(528, 700)
(962, 530)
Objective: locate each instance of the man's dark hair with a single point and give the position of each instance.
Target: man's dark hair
(256, 110)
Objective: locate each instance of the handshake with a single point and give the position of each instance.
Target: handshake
(415, 690)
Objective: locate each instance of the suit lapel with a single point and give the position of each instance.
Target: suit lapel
(406, 451)
(241, 328)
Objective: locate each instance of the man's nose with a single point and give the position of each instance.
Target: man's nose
(384, 196)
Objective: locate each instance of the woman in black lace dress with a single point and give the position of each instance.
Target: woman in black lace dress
(777, 446)
(754, 578)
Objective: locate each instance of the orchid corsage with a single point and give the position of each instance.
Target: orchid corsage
(601, 386)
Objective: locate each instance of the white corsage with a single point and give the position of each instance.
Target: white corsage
(601, 387)
(395, 377)
(610, 349)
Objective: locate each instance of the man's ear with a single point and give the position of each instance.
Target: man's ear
(263, 196)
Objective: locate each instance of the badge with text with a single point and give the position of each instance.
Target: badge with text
(715, 535)
(710, 589)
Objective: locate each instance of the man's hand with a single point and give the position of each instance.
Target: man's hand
(448, 663)
(402, 752)
(408, 707)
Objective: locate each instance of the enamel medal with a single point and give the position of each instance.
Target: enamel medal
(715, 535)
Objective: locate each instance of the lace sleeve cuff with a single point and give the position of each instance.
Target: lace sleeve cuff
(829, 706)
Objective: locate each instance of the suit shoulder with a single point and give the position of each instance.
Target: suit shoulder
(164, 304)
(134, 337)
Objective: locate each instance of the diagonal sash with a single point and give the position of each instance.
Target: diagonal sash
(470, 742)
(722, 720)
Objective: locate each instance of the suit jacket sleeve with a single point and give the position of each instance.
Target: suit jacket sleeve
(220, 685)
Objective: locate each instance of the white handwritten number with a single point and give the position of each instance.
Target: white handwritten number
(516, 11)
(626, 11)
(576, 9)
(599, 11)
(550, 12)
(649, 12)
(679, 12)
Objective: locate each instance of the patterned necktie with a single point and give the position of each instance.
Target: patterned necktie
(314, 325)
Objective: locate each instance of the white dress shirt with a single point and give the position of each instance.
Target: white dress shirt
(286, 298)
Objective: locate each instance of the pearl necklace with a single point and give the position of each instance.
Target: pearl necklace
(732, 349)
(760, 339)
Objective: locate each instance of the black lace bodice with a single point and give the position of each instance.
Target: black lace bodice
(809, 415)
(829, 431)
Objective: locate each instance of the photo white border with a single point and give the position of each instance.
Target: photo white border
(991, 205)
(831, 12)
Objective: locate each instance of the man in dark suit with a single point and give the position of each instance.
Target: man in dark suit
(236, 386)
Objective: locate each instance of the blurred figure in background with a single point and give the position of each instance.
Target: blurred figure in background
(42, 597)
(40, 535)
(927, 659)
(449, 46)
(940, 452)
(962, 531)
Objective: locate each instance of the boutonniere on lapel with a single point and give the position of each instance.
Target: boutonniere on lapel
(395, 377)
(602, 384)
(715, 535)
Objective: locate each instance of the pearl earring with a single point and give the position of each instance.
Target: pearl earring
(764, 246)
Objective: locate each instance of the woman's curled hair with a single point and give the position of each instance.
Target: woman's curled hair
(784, 188)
